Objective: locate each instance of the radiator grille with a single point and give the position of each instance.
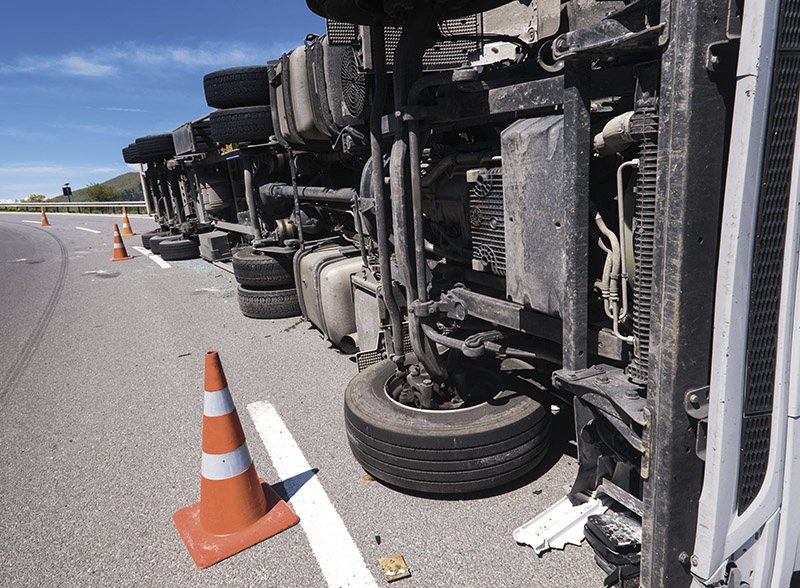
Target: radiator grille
(486, 222)
(365, 359)
(765, 289)
(443, 54)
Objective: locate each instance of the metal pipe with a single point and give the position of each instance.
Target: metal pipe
(145, 190)
(378, 99)
(279, 190)
(297, 215)
(251, 200)
(621, 230)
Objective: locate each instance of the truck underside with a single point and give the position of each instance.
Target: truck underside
(508, 209)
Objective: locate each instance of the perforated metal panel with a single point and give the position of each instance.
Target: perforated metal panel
(765, 290)
(443, 54)
(340, 33)
(487, 227)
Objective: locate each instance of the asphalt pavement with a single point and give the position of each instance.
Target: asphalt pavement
(100, 418)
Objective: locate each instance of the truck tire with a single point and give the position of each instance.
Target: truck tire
(442, 451)
(237, 86)
(154, 147)
(268, 304)
(130, 154)
(155, 242)
(178, 249)
(149, 235)
(241, 125)
(260, 270)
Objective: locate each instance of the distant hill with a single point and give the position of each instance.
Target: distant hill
(127, 185)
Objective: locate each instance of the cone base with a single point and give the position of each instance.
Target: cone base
(207, 549)
(121, 258)
(131, 234)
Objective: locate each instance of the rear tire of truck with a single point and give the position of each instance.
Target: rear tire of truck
(179, 249)
(237, 86)
(261, 270)
(443, 452)
(149, 235)
(268, 304)
(155, 242)
(250, 124)
(154, 147)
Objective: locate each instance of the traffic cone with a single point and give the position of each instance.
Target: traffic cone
(127, 231)
(45, 222)
(237, 509)
(120, 253)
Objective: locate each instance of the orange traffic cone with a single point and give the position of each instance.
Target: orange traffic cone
(127, 231)
(120, 253)
(237, 509)
(45, 222)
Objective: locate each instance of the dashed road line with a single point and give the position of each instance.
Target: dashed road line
(341, 562)
(32, 222)
(153, 256)
(88, 230)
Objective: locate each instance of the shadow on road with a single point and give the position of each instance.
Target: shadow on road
(289, 487)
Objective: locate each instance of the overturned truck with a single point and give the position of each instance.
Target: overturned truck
(511, 208)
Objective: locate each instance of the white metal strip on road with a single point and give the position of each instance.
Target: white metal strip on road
(341, 562)
(153, 256)
(32, 222)
(88, 230)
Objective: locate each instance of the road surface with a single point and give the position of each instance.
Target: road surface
(100, 418)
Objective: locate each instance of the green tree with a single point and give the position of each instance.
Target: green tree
(35, 198)
(100, 193)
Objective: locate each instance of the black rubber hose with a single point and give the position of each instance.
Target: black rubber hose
(378, 100)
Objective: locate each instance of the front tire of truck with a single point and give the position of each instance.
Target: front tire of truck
(443, 452)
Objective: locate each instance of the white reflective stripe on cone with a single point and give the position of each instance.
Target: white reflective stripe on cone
(118, 246)
(217, 403)
(225, 465)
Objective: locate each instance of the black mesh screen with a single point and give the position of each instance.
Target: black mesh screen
(765, 289)
(443, 55)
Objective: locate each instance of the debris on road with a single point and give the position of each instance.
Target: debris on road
(394, 567)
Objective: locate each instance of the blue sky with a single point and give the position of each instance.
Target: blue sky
(80, 80)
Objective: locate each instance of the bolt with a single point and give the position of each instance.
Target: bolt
(561, 44)
(714, 59)
(694, 400)
(683, 557)
(695, 561)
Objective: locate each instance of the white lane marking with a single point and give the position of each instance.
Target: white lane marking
(341, 562)
(88, 230)
(154, 257)
(33, 222)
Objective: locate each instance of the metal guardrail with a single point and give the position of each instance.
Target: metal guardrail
(133, 204)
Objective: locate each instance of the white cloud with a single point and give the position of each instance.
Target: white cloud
(71, 65)
(82, 66)
(44, 169)
(121, 109)
(100, 62)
